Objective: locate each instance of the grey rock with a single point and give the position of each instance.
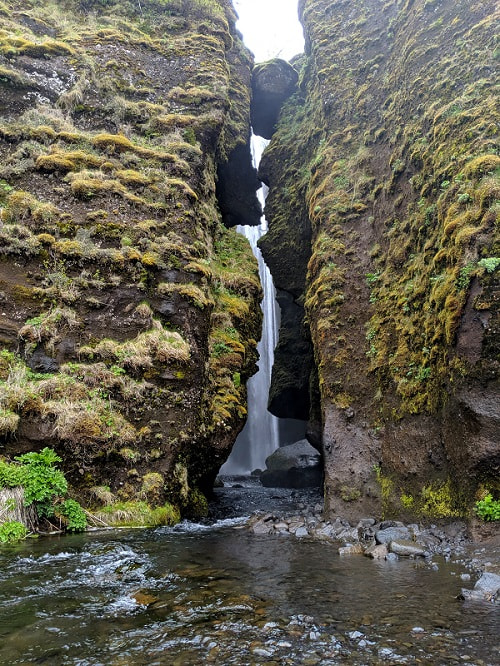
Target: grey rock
(349, 534)
(489, 582)
(295, 465)
(301, 532)
(391, 534)
(366, 522)
(355, 549)
(353, 635)
(487, 587)
(406, 548)
(391, 557)
(377, 551)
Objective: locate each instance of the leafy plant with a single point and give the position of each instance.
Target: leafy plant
(43, 484)
(488, 508)
(41, 480)
(490, 264)
(74, 514)
(12, 531)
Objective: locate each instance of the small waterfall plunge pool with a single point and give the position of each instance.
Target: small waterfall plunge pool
(200, 594)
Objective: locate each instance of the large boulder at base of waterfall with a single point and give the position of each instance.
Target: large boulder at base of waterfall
(296, 465)
(272, 83)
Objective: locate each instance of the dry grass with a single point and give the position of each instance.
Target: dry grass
(155, 345)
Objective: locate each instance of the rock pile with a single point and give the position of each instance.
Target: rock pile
(387, 539)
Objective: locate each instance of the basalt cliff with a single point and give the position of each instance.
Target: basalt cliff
(129, 312)
(129, 308)
(383, 206)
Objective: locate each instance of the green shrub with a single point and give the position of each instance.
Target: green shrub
(488, 508)
(12, 531)
(41, 480)
(76, 520)
(43, 486)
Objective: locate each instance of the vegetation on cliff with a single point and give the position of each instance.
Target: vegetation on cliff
(129, 313)
(387, 157)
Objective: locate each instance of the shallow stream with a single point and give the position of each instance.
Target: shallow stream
(219, 594)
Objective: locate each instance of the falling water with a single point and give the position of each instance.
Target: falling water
(263, 433)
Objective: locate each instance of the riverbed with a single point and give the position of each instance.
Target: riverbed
(197, 594)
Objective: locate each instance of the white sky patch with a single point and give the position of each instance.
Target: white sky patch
(270, 28)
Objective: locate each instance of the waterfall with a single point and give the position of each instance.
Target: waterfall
(263, 433)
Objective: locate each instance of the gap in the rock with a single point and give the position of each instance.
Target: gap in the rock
(278, 35)
(263, 432)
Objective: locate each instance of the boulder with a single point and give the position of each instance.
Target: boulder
(296, 465)
(487, 587)
(377, 551)
(391, 534)
(406, 548)
(272, 83)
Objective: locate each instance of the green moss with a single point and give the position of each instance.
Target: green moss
(438, 501)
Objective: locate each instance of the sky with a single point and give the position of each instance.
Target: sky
(270, 28)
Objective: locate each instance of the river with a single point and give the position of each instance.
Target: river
(198, 594)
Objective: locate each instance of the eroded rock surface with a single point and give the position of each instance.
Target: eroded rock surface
(382, 176)
(128, 312)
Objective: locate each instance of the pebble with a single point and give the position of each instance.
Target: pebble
(385, 652)
(353, 635)
(418, 630)
(465, 576)
(261, 652)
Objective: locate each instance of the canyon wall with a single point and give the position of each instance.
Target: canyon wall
(128, 311)
(383, 176)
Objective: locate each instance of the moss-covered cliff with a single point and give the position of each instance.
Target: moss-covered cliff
(384, 181)
(128, 312)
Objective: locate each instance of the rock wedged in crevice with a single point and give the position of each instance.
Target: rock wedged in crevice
(272, 83)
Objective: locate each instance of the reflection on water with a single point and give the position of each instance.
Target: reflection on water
(192, 596)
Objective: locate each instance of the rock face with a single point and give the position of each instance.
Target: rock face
(128, 313)
(382, 180)
(272, 83)
(296, 465)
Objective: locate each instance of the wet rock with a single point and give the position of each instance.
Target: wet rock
(301, 532)
(391, 534)
(354, 635)
(237, 184)
(281, 527)
(377, 551)
(487, 587)
(143, 598)
(326, 532)
(354, 549)
(349, 534)
(295, 465)
(391, 557)
(406, 548)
